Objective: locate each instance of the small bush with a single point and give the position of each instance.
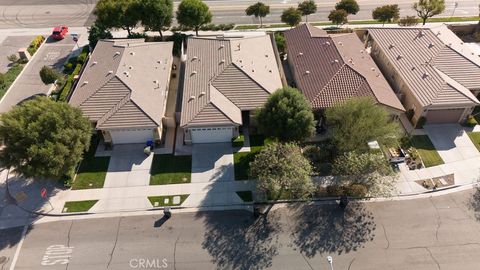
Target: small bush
(137, 35)
(356, 190)
(280, 40)
(67, 67)
(335, 190)
(81, 58)
(421, 122)
(48, 75)
(22, 61)
(471, 121)
(408, 21)
(67, 88)
(35, 44)
(12, 58)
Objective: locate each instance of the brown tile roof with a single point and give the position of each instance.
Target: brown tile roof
(124, 84)
(434, 63)
(225, 76)
(332, 68)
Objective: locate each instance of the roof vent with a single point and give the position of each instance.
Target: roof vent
(391, 46)
(194, 72)
(110, 72)
(132, 53)
(222, 61)
(222, 46)
(300, 53)
(327, 43)
(431, 45)
(155, 81)
(420, 33)
(253, 70)
(194, 58)
(202, 94)
(307, 72)
(85, 82)
(192, 97)
(117, 53)
(425, 75)
(373, 69)
(130, 67)
(361, 51)
(94, 63)
(340, 43)
(336, 61)
(399, 57)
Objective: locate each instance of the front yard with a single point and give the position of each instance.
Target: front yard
(426, 150)
(78, 206)
(242, 160)
(475, 137)
(170, 169)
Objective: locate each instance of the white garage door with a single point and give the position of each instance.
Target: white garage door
(131, 136)
(211, 134)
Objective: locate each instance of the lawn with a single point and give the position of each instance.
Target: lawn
(246, 196)
(238, 142)
(78, 206)
(426, 150)
(242, 160)
(92, 173)
(9, 77)
(170, 169)
(161, 200)
(475, 137)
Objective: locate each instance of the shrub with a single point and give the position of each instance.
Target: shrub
(280, 40)
(471, 121)
(48, 75)
(35, 44)
(12, 58)
(356, 190)
(408, 21)
(137, 35)
(81, 58)
(67, 67)
(335, 190)
(67, 88)
(421, 122)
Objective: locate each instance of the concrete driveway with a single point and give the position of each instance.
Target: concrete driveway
(212, 163)
(128, 167)
(11, 45)
(451, 142)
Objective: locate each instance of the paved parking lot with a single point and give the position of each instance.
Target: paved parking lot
(11, 45)
(52, 54)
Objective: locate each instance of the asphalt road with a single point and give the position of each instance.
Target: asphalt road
(48, 13)
(434, 233)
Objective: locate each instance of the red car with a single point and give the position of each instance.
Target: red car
(59, 32)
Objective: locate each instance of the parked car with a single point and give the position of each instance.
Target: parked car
(59, 32)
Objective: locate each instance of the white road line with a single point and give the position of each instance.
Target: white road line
(17, 252)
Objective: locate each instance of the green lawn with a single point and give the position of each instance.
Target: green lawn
(9, 77)
(161, 200)
(92, 173)
(78, 206)
(242, 159)
(246, 196)
(426, 150)
(238, 142)
(475, 137)
(170, 169)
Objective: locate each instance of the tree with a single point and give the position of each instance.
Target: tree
(350, 6)
(338, 16)
(281, 171)
(387, 13)
(157, 14)
(43, 138)
(428, 8)
(291, 16)
(49, 75)
(97, 32)
(124, 14)
(286, 115)
(193, 13)
(368, 169)
(259, 10)
(307, 7)
(358, 121)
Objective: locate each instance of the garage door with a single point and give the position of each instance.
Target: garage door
(211, 134)
(444, 116)
(131, 136)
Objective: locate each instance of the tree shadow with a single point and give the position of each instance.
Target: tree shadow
(331, 229)
(236, 240)
(474, 203)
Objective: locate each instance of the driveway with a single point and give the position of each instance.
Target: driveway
(451, 142)
(212, 162)
(11, 45)
(128, 167)
(29, 83)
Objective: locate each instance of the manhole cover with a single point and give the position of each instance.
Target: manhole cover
(3, 259)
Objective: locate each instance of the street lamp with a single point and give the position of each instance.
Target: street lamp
(454, 8)
(330, 261)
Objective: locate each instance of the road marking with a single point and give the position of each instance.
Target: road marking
(57, 254)
(17, 252)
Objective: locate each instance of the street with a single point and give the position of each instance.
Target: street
(433, 233)
(46, 13)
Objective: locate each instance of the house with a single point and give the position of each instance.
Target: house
(329, 69)
(123, 90)
(436, 75)
(225, 80)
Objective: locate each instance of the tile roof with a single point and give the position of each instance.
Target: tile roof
(332, 68)
(224, 76)
(124, 83)
(434, 63)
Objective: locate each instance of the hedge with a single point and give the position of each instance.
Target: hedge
(68, 85)
(35, 44)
